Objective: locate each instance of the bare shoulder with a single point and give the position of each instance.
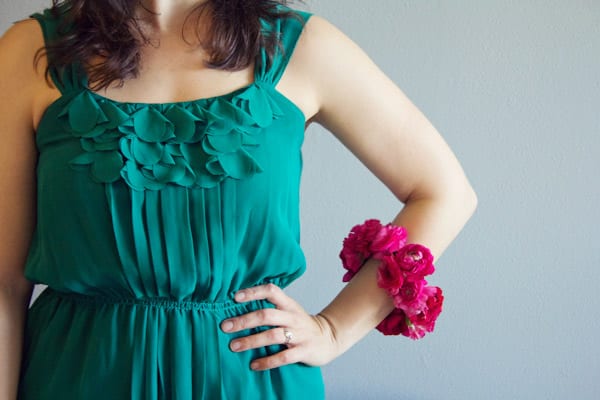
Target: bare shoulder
(23, 82)
(26, 29)
(321, 43)
(318, 41)
(328, 65)
(320, 34)
(20, 43)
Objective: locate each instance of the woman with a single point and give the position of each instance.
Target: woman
(164, 213)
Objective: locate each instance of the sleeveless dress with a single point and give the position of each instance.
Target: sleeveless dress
(150, 217)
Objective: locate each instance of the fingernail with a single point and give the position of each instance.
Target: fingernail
(254, 365)
(227, 326)
(240, 296)
(235, 346)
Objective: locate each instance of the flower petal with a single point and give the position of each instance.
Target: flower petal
(83, 159)
(168, 173)
(95, 132)
(184, 123)
(223, 143)
(133, 176)
(239, 165)
(260, 109)
(84, 113)
(146, 153)
(174, 149)
(107, 166)
(151, 126)
(167, 158)
(195, 156)
(214, 167)
(189, 177)
(125, 146)
(92, 146)
(114, 115)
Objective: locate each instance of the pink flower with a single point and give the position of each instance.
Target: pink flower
(424, 321)
(395, 323)
(414, 331)
(416, 260)
(357, 246)
(389, 239)
(352, 262)
(411, 297)
(401, 273)
(416, 326)
(390, 276)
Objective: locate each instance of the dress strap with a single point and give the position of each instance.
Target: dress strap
(288, 29)
(65, 80)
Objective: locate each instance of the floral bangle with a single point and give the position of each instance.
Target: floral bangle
(401, 273)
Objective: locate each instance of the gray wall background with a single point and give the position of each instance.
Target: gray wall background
(513, 86)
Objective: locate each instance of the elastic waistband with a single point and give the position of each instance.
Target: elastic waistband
(158, 302)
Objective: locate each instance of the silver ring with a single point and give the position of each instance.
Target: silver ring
(289, 336)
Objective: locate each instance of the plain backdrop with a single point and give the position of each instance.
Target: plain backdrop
(514, 88)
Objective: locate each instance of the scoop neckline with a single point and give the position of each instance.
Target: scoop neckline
(256, 80)
(199, 100)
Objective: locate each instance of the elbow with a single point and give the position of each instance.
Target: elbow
(466, 203)
(455, 199)
(461, 199)
(471, 200)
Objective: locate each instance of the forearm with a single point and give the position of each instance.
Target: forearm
(361, 305)
(13, 309)
(358, 308)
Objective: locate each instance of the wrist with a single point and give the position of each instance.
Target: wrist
(330, 333)
(401, 273)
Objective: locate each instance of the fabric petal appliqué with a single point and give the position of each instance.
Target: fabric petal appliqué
(193, 144)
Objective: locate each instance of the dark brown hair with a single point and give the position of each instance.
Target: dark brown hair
(109, 31)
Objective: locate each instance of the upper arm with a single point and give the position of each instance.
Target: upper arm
(367, 112)
(19, 80)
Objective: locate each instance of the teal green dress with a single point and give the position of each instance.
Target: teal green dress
(150, 217)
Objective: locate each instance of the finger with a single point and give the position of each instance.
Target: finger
(262, 339)
(285, 357)
(254, 319)
(270, 292)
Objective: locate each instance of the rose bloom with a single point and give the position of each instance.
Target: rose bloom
(424, 321)
(411, 297)
(415, 259)
(356, 247)
(390, 276)
(389, 239)
(394, 324)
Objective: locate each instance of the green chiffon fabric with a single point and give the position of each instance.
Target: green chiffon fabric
(150, 217)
